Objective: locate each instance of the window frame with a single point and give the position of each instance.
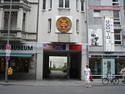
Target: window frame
(63, 3)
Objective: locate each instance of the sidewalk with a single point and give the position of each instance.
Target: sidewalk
(51, 82)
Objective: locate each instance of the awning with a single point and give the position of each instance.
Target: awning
(18, 54)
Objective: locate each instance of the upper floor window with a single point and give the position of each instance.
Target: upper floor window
(77, 5)
(97, 13)
(44, 4)
(13, 21)
(50, 4)
(115, 0)
(117, 35)
(77, 25)
(49, 25)
(12, 0)
(63, 3)
(24, 20)
(116, 14)
(82, 5)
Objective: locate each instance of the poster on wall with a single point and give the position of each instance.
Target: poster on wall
(95, 37)
(64, 24)
(109, 34)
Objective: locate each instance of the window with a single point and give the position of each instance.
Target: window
(82, 5)
(117, 34)
(77, 5)
(115, 3)
(12, 0)
(50, 4)
(77, 26)
(44, 4)
(97, 13)
(63, 3)
(13, 23)
(49, 25)
(116, 14)
(24, 20)
(115, 0)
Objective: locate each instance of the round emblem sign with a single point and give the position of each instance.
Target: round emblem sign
(63, 24)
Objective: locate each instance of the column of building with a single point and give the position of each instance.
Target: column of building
(1, 18)
(20, 19)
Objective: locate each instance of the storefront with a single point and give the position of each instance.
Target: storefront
(103, 65)
(21, 60)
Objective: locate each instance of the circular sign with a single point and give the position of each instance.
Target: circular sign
(63, 24)
(8, 46)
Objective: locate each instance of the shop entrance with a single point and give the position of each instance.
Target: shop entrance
(70, 68)
(23, 68)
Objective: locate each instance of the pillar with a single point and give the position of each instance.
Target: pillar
(85, 60)
(1, 18)
(39, 66)
(20, 19)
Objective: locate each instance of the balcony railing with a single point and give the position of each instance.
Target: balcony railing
(15, 4)
(17, 35)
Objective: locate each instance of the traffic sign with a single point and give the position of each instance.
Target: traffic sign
(8, 46)
(8, 50)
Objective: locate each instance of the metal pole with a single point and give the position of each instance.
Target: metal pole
(8, 39)
(87, 44)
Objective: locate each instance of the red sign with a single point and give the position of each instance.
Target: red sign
(8, 46)
(76, 47)
(105, 7)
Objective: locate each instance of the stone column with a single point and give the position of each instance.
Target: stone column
(20, 19)
(39, 66)
(1, 18)
(85, 60)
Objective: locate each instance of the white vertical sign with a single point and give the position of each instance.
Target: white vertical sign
(109, 34)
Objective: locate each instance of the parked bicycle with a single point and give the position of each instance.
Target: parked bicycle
(123, 81)
(110, 79)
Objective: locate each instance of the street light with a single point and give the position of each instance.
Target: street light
(8, 46)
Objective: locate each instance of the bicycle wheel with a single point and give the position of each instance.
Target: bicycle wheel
(115, 81)
(105, 81)
(123, 81)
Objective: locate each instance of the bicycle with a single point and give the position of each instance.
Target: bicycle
(110, 79)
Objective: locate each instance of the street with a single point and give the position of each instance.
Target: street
(22, 89)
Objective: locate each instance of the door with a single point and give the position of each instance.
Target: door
(108, 67)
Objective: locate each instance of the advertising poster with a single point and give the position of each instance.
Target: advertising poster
(95, 37)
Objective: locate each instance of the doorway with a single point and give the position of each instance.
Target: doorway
(69, 62)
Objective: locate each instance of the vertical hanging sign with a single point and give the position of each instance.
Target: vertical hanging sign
(109, 34)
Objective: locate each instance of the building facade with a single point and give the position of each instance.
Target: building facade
(84, 31)
(18, 23)
(62, 30)
(106, 39)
